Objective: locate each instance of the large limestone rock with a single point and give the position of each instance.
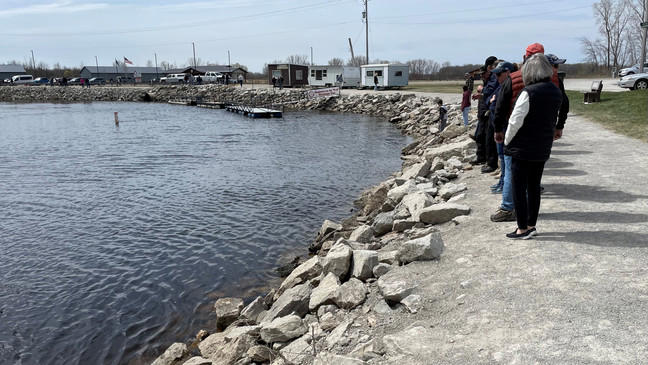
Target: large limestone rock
(418, 342)
(259, 353)
(383, 223)
(396, 285)
(325, 292)
(416, 202)
(292, 300)
(309, 269)
(222, 351)
(227, 311)
(197, 360)
(172, 354)
(381, 269)
(449, 190)
(363, 263)
(351, 294)
(338, 259)
(283, 329)
(397, 193)
(425, 248)
(363, 234)
(416, 170)
(327, 358)
(254, 309)
(441, 213)
(328, 227)
(447, 150)
(297, 352)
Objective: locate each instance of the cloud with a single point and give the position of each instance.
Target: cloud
(57, 7)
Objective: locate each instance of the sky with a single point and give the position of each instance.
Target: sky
(256, 32)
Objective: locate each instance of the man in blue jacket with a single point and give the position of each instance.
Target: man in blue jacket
(490, 150)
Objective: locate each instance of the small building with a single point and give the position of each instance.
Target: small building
(7, 71)
(342, 76)
(143, 74)
(293, 75)
(389, 75)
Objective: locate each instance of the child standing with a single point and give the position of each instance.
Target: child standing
(465, 105)
(443, 115)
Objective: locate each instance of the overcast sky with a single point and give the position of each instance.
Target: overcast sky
(259, 31)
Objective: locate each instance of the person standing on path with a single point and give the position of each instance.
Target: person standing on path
(240, 80)
(281, 80)
(502, 72)
(375, 81)
(490, 149)
(528, 140)
(465, 105)
(470, 83)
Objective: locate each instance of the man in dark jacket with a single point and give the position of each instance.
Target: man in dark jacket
(489, 81)
(490, 149)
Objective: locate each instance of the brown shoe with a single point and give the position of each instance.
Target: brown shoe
(503, 216)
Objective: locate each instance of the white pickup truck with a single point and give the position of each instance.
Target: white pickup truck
(172, 79)
(212, 77)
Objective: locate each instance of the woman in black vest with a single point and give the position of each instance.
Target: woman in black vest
(529, 138)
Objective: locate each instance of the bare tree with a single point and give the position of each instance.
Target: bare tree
(357, 61)
(298, 59)
(613, 17)
(594, 50)
(423, 68)
(336, 61)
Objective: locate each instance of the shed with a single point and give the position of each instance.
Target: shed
(108, 73)
(343, 76)
(293, 75)
(7, 71)
(389, 75)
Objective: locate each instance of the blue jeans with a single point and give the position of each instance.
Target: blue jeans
(465, 115)
(507, 191)
(500, 154)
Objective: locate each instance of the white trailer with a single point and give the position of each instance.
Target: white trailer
(342, 76)
(389, 75)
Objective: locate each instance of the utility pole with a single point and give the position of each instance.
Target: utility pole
(351, 46)
(194, 52)
(97, 64)
(312, 56)
(157, 77)
(365, 15)
(33, 61)
(644, 37)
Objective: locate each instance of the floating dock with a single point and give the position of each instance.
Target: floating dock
(252, 111)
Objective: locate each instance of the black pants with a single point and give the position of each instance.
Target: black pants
(480, 138)
(526, 176)
(490, 146)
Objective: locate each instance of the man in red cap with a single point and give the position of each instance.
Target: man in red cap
(506, 98)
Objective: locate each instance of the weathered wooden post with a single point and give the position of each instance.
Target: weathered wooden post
(116, 119)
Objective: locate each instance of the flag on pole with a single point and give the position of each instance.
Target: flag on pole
(126, 60)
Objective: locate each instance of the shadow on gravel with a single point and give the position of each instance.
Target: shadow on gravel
(568, 152)
(563, 172)
(557, 164)
(597, 238)
(596, 217)
(588, 193)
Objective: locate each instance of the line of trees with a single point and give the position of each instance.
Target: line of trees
(620, 35)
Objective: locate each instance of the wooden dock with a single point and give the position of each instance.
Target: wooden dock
(212, 105)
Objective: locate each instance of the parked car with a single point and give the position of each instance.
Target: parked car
(74, 81)
(97, 81)
(22, 79)
(634, 81)
(212, 77)
(41, 81)
(633, 70)
(173, 79)
(125, 80)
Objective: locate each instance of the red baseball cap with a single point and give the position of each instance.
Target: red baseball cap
(533, 49)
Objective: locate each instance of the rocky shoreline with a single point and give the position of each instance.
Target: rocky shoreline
(333, 307)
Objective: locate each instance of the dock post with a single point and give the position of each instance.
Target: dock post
(116, 120)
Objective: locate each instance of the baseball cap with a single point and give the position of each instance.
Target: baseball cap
(490, 60)
(533, 49)
(554, 60)
(503, 67)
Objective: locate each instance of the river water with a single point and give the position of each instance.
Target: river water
(116, 241)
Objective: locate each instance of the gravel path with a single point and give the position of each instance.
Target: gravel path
(576, 294)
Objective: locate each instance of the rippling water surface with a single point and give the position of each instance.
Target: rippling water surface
(114, 242)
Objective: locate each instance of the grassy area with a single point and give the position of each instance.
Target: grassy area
(622, 112)
(450, 87)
